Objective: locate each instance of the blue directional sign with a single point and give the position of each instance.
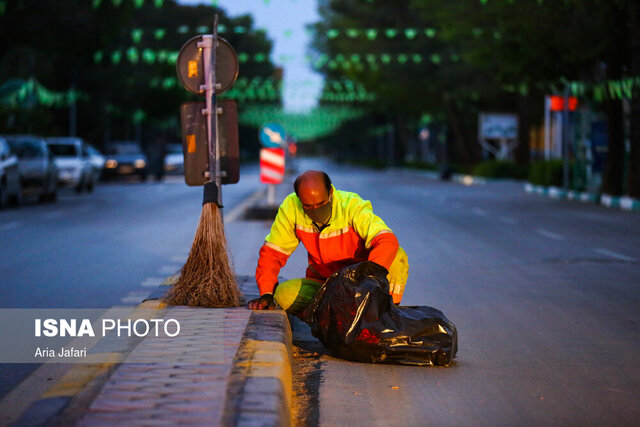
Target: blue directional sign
(272, 135)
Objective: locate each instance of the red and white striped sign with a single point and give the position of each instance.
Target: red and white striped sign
(271, 165)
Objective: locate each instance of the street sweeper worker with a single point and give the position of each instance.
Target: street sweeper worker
(338, 228)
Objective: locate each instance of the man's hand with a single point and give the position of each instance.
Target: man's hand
(265, 302)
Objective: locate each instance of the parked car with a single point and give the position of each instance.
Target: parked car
(72, 160)
(125, 158)
(174, 159)
(96, 159)
(37, 169)
(10, 188)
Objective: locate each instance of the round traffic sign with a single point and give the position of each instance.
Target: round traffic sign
(272, 135)
(190, 66)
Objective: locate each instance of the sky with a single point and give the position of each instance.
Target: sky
(285, 22)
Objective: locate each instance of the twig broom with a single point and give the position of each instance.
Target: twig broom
(206, 279)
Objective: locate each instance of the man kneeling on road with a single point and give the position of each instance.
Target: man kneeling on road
(338, 229)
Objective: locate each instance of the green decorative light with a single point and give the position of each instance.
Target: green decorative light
(116, 3)
(97, 57)
(138, 3)
(477, 32)
(96, 3)
(243, 57)
(183, 29)
(172, 57)
(371, 33)
(239, 29)
(430, 32)
(410, 33)
(417, 58)
(332, 33)
(391, 32)
(149, 56)
(435, 58)
(386, 58)
(352, 33)
(138, 116)
(132, 55)
(260, 57)
(202, 29)
(116, 56)
(159, 33)
(136, 35)
(158, 3)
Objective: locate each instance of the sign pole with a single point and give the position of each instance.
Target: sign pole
(209, 44)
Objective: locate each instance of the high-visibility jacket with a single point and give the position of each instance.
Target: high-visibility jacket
(354, 234)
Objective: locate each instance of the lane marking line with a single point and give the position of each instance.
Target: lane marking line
(479, 212)
(508, 220)
(54, 214)
(10, 226)
(151, 282)
(169, 269)
(614, 254)
(239, 210)
(549, 234)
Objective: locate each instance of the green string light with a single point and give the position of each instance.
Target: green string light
(159, 33)
(136, 35)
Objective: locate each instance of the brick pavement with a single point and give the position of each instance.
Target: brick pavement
(190, 388)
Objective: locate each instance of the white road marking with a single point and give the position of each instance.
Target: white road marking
(152, 282)
(549, 234)
(9, 226)
(54, 214)
(134, 298)
(239, 210)
(479, 212)
(179, 258)
(508, 220)
(82, 209)
(169, 269)
(614, 254)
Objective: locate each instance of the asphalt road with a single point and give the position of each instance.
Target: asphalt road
(545, 295)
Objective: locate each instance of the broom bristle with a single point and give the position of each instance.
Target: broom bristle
(206, 279)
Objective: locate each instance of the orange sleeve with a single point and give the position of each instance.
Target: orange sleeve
(269, 264)
(383, 249)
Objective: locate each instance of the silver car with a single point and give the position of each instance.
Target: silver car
(38, 172)
(10, 189)
(72, 159)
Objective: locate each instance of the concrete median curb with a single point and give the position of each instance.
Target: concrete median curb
(260, 388)
(622, 203)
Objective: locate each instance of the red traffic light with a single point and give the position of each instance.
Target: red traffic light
(556, 103)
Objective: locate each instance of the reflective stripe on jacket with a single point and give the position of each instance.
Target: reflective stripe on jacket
(354, 234)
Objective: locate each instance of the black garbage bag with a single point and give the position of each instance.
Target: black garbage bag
(353, 315)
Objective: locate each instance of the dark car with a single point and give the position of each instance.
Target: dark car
(10, 188)
(125, 158)
(38, 172)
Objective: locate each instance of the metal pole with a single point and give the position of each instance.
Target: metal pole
(565, 140)
(547, 128)
(209, 44)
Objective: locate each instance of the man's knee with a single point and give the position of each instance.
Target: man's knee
(295, 294)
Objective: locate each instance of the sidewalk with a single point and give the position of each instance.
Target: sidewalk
(234, 370)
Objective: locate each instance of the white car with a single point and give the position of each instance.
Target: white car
(174, 159)
(97, 161)
(72, 160)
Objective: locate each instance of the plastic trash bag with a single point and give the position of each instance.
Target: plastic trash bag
(354, 317)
